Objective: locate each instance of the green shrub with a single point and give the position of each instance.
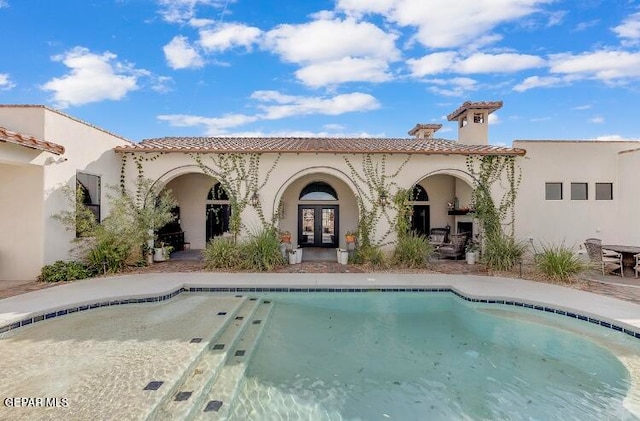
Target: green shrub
(412, 251)
(503, 252)
(64, 271)
(110, 251)
(372, 256)
(262, 251)
(559, 262)
(222, 253)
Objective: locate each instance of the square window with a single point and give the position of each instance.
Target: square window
(478, 118)
(604, 191)
(553, 191)
(579, 191)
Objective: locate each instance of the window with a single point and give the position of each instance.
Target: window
(478, 118)
(318, 190)
(604, 191)
(463, 121)
(553, 191)
(89, 186)
(579, 191)
(419, 194)
(217, 193)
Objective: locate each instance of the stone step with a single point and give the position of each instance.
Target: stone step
(218, 402)
(183, 402)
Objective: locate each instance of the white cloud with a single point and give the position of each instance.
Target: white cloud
(612, 137)
(494, 119)
(274, 106)
(4, 3)
(539, 82)
(5, 82)
(446, 24)
(597, 120)
(182, 11)
(92, 77)
(582, 107)
(335, 51)
(476, 63)
(604, 65)
(229, 35)
(199, 23)
(327, 40)
(557, 17)
(304, 133)
(181, 55)
(629, 28)
(455, 87)
(583, 26)
(345, 70)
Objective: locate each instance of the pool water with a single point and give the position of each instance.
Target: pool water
(400, 356)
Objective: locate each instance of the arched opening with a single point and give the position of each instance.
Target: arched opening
(318, 190)
(218, 211)
(421, 214)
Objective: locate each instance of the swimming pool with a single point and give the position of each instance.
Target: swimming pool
(432, 356)
(392, 353)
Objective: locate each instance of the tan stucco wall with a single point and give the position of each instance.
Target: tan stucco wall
(572, 221)
(21, 242)
(87, 149)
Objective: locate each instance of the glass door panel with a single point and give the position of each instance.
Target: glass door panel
(328, 226)
(308, 226)
(318, 225)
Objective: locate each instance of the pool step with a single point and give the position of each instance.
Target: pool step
(218, 402)
(196, 381)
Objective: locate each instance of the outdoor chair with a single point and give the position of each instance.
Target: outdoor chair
(455, 248)
(602, 256)
(636, 267)
(438, 237)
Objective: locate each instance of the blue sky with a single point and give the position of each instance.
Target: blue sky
(152, 68)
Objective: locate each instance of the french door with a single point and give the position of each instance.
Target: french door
(318, 225)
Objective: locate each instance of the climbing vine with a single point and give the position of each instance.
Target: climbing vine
(488, 170)
(239, 176)
(376, 190)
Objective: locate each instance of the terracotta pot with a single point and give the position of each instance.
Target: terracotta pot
(350, 238)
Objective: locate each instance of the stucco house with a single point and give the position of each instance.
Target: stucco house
(314, 188)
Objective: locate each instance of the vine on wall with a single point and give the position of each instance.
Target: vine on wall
(376, 190)
(488, 170)
(239, 175)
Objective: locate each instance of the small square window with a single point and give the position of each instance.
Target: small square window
(478, 118)
(553, 191)
(579, 191)
(604, 191)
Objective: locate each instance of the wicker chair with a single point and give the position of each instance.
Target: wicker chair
(602, 256)
(438, 236)
(637, 265)
(455, 248)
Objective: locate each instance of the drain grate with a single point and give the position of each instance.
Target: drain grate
(257, 322)
(195, 341)
(222, 313)
(182, 396)
(239, 318)
(213, 406)
(240, 353)
(154, 385)
(218, 346)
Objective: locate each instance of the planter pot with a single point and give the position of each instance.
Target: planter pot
(159, 255)
(283, 249)
(343, 257)
(285, 239)
(298, 255)
(292, 257)
(350, 239)
(471, 257)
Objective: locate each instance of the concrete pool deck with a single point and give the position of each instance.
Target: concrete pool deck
(99, 290)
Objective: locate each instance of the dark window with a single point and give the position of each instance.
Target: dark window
(89, 186)
(604, 191)
(217, 193)
(318, 190)
(419, 194)
(478, 118)
(553, 191)
(579, 191)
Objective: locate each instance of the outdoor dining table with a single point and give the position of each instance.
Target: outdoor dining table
(627, 252)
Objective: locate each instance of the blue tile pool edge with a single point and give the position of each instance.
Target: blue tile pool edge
(194, 289)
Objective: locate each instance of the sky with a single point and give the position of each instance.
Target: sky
(355, 68)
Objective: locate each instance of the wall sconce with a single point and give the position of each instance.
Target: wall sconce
(255, 200)
(383, 199)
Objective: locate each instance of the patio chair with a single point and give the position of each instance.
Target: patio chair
(636, 267)
(602, 256)
(438, 237)
(455, 248)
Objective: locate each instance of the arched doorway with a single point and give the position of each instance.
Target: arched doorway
(318, 216)
(218, 212)
(421, 215)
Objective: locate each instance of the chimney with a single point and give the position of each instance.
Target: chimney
(473, 121)
(424, 131)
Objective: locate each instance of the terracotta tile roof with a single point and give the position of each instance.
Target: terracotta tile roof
(29, 141)
(468, 105)
(315, 145)
(434, 127)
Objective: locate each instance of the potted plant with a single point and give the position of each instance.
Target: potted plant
(293, 257)
(161, 253)
(471, 252)
(350, 237)
(285, 237)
